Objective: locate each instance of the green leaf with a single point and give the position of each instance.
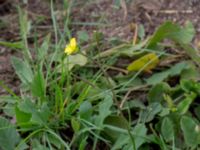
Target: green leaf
(42, 52)
(73, 60)
(187, 85)
(36, 145)
(157, 77)
(23, 118)
(173, 71)
(75, 124)
(191, 73)
(83, 143)
(15, 45)
(39, 116)
(192, 53)
(191, 135)
(184, 105)
(123, 139)
(116, 121)
(174, 32)
(8, 135)
(23, 70)
(83, 36)
(156, 93)
(148, 114)
(146, 63)
(167, 129)
(140, 132)
(136, 103)
(121, 79)
(25, 25)
(104, 109)
(141, 32)
(85, 110)
(54, 141)
(190, 86)
(38, 85)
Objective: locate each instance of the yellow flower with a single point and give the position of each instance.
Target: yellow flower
(71, 47)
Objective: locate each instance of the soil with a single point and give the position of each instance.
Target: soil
(112, 21)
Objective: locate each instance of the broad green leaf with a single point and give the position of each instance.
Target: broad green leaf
(178, 68)
(190, 86)
(23, 70)
(167, 129)
(38, 85)
(116, 121)
(156, 93)
(148, 114)
(23, 118)
(140, 132)
(164, 112)
(73, 60)
(30, 108)
(192, 53)
(191, 73)
(123, 139)
(85, 110)
(54, 141)
(158, 77)
(173, 71)
(174, 32)
(146, 63)
(191, 135)
(9, 109)
(104, 109)
(184, 105)
(38, 115)
(8, 135)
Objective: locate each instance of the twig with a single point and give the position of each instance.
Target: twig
(124, 99)
(175, 11)
(124, 7)
(128, 93)
(135, 34)
(85, 80)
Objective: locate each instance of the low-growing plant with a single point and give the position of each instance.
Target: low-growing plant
(69, 98)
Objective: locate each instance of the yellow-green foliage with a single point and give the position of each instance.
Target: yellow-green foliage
(146, 63)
